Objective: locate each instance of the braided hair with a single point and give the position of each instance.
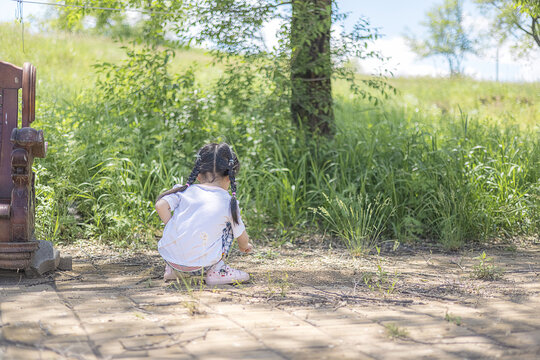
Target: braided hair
(233, 166)
(214, 160)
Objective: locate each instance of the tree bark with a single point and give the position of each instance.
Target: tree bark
(535, 29)
(311, 65)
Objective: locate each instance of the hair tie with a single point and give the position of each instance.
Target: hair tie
(234, 194)
(187, 184)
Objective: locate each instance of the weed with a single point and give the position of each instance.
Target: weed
(290, 262)
(452, 318)
(284, 286)
(138, 315)
(380, 280)
(268, 254)
(457, 261)
(193, 308)
(278, 286)
(393, 331)
(510, 248)
(485, 269)
(188, 283)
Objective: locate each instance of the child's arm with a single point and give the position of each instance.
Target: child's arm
(163, 210)
(244, 244)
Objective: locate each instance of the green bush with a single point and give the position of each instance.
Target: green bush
(401, 171)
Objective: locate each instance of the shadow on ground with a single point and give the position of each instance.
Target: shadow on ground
(302, 303)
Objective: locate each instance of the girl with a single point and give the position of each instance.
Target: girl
(205, 220)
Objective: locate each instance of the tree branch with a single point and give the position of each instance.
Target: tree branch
(535, 34)
(523, 29)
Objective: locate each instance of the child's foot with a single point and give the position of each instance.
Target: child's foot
(221, 274)
(170, 274)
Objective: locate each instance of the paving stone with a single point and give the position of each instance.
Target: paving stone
(218, 343)
(112, 348)
(71, 346)
(138, 346)
(190, 324)
(470, 350)
(46, 258)
(416, 353)
(353, 334)
(293, 337)
(65, 263)
(268, 319)
(323, 352)
(437, 331)
(112, 314)
(18, 353)
(386, 348)
(173, 353)
(324, 317)
(99, 332)
(529, 339)
(23, 332)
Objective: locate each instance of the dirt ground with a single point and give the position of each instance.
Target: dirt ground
(304, 302)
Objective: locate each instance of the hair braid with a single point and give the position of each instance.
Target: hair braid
(234, 202)
(191, 179)
(196, 168)
(214, 160)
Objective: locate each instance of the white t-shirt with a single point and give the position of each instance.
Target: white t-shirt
(193, 236)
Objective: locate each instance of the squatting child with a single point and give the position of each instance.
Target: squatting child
(205, 220)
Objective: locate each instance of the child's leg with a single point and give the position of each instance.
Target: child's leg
(172, 271)
(183, 268)
(175, 271)
(222, 273)
(227, 239)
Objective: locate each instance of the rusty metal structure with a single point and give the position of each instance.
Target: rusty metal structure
(19, 145)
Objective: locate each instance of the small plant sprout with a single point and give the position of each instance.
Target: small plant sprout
(138, 315)
(452, 318)
(380, 280)
(278, 286)
(193, 308)
(485, 269)
(284, 285)
(189, 283)
(395, 332)
(269, 255)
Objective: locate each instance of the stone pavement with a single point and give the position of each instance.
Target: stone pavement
(123, 310)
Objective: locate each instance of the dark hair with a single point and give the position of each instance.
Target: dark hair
(213, 160)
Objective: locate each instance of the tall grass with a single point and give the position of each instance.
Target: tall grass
(358, 221)
(406, 170)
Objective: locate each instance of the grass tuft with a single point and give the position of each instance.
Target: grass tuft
(395, 332)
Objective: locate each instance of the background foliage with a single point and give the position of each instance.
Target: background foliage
(444, 161)
(446, 36)
(514, 21)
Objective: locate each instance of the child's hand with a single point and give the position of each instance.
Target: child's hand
(248, 249)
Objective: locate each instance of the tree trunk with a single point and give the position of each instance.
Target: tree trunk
(311, 65)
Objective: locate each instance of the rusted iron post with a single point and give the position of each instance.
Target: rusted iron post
(19, 145)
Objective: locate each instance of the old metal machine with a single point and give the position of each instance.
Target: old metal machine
(19, 145)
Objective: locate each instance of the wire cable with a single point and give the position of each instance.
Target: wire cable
(19, 16)
(95, 7)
